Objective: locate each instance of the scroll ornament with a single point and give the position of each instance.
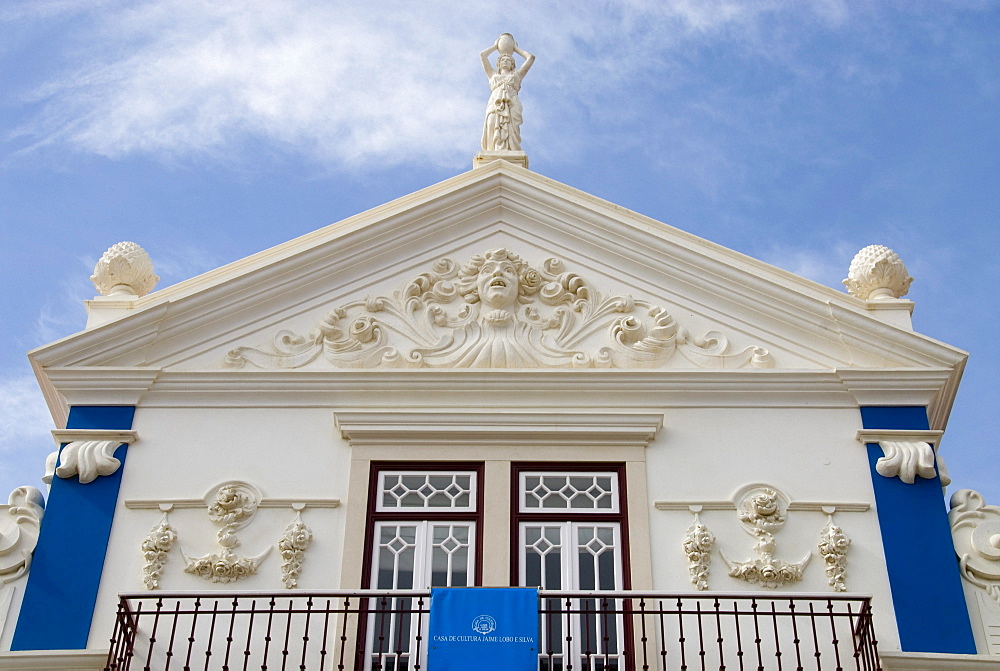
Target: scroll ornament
(20, 521)
(232, 507)
(698, 544)
(292, 546)
(497, 311)
(762, 512)
(975, 529)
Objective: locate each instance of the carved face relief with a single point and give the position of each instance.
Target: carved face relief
(497, 284)
(498, 311)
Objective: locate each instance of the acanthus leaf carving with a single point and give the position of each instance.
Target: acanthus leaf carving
(496, 311)
(88, 459)
(906, 459)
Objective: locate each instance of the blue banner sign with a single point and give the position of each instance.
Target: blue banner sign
(483, 628)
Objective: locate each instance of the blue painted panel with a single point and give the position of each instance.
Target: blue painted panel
(66, 570)
(497, 627)
(931, 612)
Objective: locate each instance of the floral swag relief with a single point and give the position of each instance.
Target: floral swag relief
(496, 311)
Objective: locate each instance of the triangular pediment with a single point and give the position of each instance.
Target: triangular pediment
(588, 285)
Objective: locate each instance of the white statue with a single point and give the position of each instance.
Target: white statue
(502, 130)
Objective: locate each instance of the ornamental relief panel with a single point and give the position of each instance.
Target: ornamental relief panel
(498, 311)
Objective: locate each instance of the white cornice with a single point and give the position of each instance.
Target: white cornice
(381, 427)
(809, 506)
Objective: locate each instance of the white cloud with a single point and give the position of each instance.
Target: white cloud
(23, 413)
(346, 83)
(827, 265)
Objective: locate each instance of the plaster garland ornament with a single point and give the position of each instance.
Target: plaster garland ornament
(88, 459)
(502, 128)
(124, 270)
(20, 521)
(698, 544)
(975, 529)
(833, 546)
(292, 546)
(906, 459)
(232, 506)
(877, 273)
(762, 511)
(155, 548)
(497, 311)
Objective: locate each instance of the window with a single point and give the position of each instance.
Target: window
(422, 534)
(570, 527)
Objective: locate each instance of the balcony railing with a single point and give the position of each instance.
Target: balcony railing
(578, 631)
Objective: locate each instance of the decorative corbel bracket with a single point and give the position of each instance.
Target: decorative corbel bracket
(908, 453)
(89, 453)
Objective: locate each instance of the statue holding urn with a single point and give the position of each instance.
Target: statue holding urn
(502, 130)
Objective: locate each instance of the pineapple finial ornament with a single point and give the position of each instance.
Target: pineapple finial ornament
(877, 273)
(124, 270)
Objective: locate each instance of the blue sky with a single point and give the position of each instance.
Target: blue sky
(793, 131)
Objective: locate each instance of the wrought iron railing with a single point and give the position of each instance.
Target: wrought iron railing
(578, 631)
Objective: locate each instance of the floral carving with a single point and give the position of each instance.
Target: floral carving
(497, 311)
(88, 459)
(20, 521)
(234, 504)
(762, 511)
(906, 459)
(293, 545)
(876, 273)
(698, 544)
(975, 529)
(232, 507)
(833, 545)
(155, 547)
(125, 269)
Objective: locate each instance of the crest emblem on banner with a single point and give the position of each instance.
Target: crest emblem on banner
(484, 624)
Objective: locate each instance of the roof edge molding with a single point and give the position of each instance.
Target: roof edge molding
(378, 427)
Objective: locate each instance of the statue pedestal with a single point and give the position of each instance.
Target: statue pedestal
(485, 157)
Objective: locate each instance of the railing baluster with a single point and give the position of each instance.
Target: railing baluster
(701, 636)
(795, 636)
(815, 636)
(305, 634)
(267, 636)
(756, 633)
(739, 635)
(229, 634)
(420, 629)
(343, 630)
(642, 614)
(718, 636)
(777, 637)
(680, 638)
(191, 636)
(247, 651)
(288, 634)
(170, 646)
(211, 634)
(326, 631)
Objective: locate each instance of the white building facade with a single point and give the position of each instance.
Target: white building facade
(501, 381)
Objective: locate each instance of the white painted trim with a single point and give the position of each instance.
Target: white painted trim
(113, 435)
(267, 502)
(930, 661)
(54, 660)
(808, 506)
(866, 436)
(379, 427)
